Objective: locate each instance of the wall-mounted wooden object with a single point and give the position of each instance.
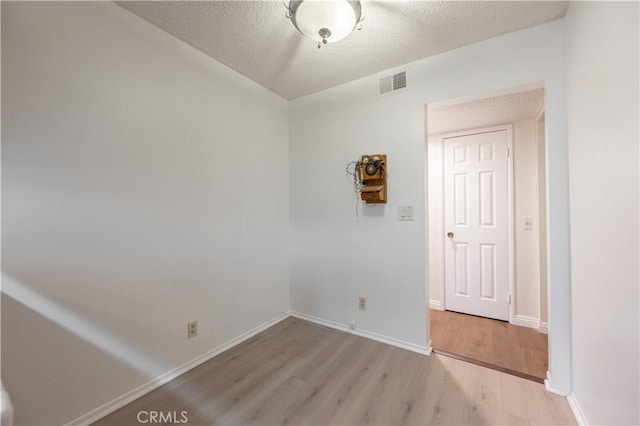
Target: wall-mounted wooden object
(372, 172)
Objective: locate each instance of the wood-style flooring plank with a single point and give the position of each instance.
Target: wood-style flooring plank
(298, 373)
(487, 342)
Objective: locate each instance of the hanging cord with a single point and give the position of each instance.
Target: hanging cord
(357, 185)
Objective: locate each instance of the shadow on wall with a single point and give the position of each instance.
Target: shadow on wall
(85, 345)
(373, 210)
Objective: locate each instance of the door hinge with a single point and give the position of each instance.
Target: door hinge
(509, 298)
(508, 152)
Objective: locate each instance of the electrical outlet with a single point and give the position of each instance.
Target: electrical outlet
(353, 325)
(192, 329)
(362, 303)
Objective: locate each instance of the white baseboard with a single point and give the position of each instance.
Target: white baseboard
(424, 350)
(549, 386)
(436, 304)
(543, 327)
(119, 402)
(577, 410)
(525, 321)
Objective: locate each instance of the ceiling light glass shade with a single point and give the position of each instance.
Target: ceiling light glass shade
(325, 21)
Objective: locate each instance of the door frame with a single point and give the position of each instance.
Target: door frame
(510, 210)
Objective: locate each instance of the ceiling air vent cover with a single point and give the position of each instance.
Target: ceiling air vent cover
(392, 83)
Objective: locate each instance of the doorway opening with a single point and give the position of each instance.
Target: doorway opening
(487, 222)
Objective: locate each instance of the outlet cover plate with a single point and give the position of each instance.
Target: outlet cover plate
(362, 303)
(192, 329)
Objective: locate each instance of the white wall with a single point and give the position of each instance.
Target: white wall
(525, 191)
(542, 217)
(144, 185)
(525, 175)
(435, 189)
(603, 135)
(337, 259)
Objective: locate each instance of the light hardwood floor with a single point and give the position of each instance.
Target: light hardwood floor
(497, 344)
(300, 373)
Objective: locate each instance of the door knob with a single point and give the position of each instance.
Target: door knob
(450, 234)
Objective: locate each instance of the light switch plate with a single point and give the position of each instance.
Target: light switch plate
(527, 224)
(405, 213)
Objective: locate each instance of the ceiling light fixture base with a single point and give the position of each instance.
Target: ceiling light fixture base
(325, 21)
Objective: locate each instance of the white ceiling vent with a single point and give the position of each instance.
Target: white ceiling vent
(392, 83)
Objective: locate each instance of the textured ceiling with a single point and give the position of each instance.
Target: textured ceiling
(485, 112)
(255, 39)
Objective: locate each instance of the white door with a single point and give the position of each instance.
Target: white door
(476, 209)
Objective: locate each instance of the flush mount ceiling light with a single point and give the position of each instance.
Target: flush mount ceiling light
(325, 21)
